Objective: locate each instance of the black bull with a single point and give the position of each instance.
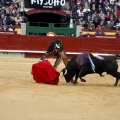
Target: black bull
(73, 68)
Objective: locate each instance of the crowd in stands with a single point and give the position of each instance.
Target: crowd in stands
(90, 14)
(11, 14)
(94, 14)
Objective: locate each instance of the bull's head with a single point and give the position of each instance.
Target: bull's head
(68, 75)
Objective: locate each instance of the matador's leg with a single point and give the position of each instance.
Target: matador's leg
(57, 62)
(64, 58)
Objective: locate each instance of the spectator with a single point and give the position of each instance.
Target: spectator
(94, 15)
(118, 13)
(88, 18)
(77, 12)
(107, 8)
(81, 35)
(67, 19)
(3, 11)
(72, 35)
(99, 9)
(71, 4)
(118, 24)
(63, 22)
(112, 24)
(86, 9)
(115, 17)
(101, 3)
(108, 26)
(105, 3)
(67, 35)
(3, 3)
(112, 1)
(8, 19)
(99, 32)
(93, 2)
(1, 18)
(12, 21)
(11, 28)
(74, 17)
(25, 19)
(4, 20)
(5, 28)
(82, 22)
(0, 4)
(84, 1)
(117, 33)
(115, 9)
(7, 2)
(101, 15)
(80, 14)
(118, 3)
(102, 25)
(93, 9)
(18, 19)
(91, 26)
(107, 16)
(88, 35)
(96, 22)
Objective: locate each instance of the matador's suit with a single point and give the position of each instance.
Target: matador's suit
(57, 49)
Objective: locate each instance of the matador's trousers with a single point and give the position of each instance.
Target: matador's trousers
(62, 56)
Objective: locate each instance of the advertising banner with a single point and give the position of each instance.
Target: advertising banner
(47, 4)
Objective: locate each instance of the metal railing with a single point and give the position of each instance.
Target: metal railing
(39, 28)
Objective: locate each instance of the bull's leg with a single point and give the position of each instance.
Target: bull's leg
(76, 78)
(116, 82)
(117, 76)
(82, 80)
(117, 79)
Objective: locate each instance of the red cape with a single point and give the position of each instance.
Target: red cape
(44, 72)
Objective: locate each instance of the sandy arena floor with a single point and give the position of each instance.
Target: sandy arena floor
(23, 99)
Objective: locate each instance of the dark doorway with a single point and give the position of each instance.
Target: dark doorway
(45, 17)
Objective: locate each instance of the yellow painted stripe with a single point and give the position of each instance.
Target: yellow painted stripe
(93, 33)
(18, 30)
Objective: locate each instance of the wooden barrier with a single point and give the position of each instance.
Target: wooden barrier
(33, 45)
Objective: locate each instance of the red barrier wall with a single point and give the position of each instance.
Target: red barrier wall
(71, 44)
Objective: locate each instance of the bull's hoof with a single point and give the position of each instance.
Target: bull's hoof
(115, 85)
(75, 83)
(83, 80)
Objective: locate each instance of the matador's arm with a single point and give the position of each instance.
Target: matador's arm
(45, 55)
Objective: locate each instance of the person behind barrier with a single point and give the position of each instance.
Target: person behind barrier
(117, 33)
(99, 32)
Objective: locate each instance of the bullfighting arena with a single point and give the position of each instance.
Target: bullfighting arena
(23, 99)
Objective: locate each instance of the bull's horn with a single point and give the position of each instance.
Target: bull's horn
(65, 72)
(61, 71)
